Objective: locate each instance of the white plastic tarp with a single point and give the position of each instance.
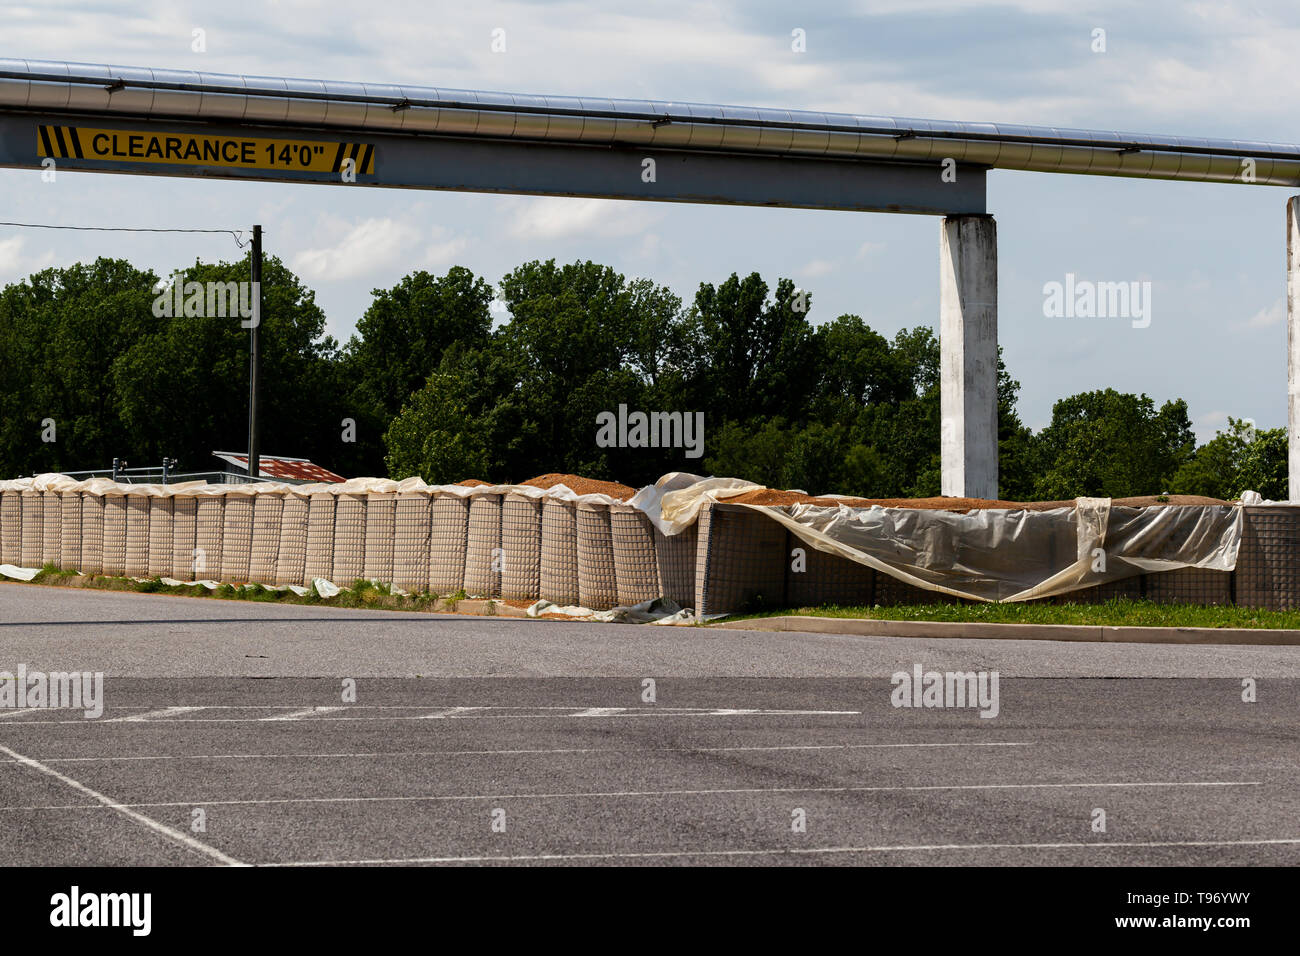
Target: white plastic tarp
(990, 554)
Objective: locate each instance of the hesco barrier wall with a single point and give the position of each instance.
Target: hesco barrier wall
(744, 561)
(523, 544)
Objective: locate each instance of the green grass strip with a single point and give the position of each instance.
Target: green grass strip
(1114, 613)
(362, 594)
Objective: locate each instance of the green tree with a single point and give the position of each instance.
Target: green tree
(754, 450)
(436, 437)
(402, 336)
(62, 331)
(400, 341)
(180, 385)
(1264, 466)
(582, 340)
(1112, 444)
(856, 366)
(745, 355)
(1236, 460)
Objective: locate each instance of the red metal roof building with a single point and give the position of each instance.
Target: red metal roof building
(275, 468)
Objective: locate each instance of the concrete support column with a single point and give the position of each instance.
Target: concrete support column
(968, 356)
(1293, 347)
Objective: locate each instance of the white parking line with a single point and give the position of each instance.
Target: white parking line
(528, 707)
(134, 718)
(20, 710)
(449, 712)
(305, 712)
(453, 713)
(790, 851)
(182, 838)
(612, 794)
(516, 753)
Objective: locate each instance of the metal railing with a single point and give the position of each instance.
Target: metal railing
(163, 474)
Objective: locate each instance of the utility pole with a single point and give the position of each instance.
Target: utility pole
(254, 358)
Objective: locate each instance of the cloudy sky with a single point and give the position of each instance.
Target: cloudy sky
(1213, 253)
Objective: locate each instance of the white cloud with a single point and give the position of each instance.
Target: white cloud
(650, 247)
(1271, 315)
(14, 264)
(444, 250)
(563, 217)
(376, 246)
(818, 267)
(1206, 426)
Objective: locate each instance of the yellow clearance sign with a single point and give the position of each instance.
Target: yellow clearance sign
(193, 149)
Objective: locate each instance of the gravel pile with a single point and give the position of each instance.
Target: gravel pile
(582, 486)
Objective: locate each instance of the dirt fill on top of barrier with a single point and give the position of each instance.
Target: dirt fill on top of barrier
(471, 483)
(772, 497)
(582, 486)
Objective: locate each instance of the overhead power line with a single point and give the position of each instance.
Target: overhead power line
(236, 234)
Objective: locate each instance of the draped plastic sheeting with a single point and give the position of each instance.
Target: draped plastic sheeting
(988, 555)
(997, 555)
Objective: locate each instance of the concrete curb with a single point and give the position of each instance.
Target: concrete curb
(482, 608)
(1019, 632)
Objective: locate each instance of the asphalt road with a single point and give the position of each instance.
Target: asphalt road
(143, 635)
(545, 732)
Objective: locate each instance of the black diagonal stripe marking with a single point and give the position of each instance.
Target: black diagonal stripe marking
(45, 140)
(63, 147)
(76, 142)
(356, 149)
(338, 157)
(366, 159)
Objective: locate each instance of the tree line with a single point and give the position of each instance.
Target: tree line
(429, 385)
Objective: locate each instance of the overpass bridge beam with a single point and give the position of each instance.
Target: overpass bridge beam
(968, 360)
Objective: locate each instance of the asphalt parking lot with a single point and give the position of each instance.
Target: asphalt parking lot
(569, 765)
